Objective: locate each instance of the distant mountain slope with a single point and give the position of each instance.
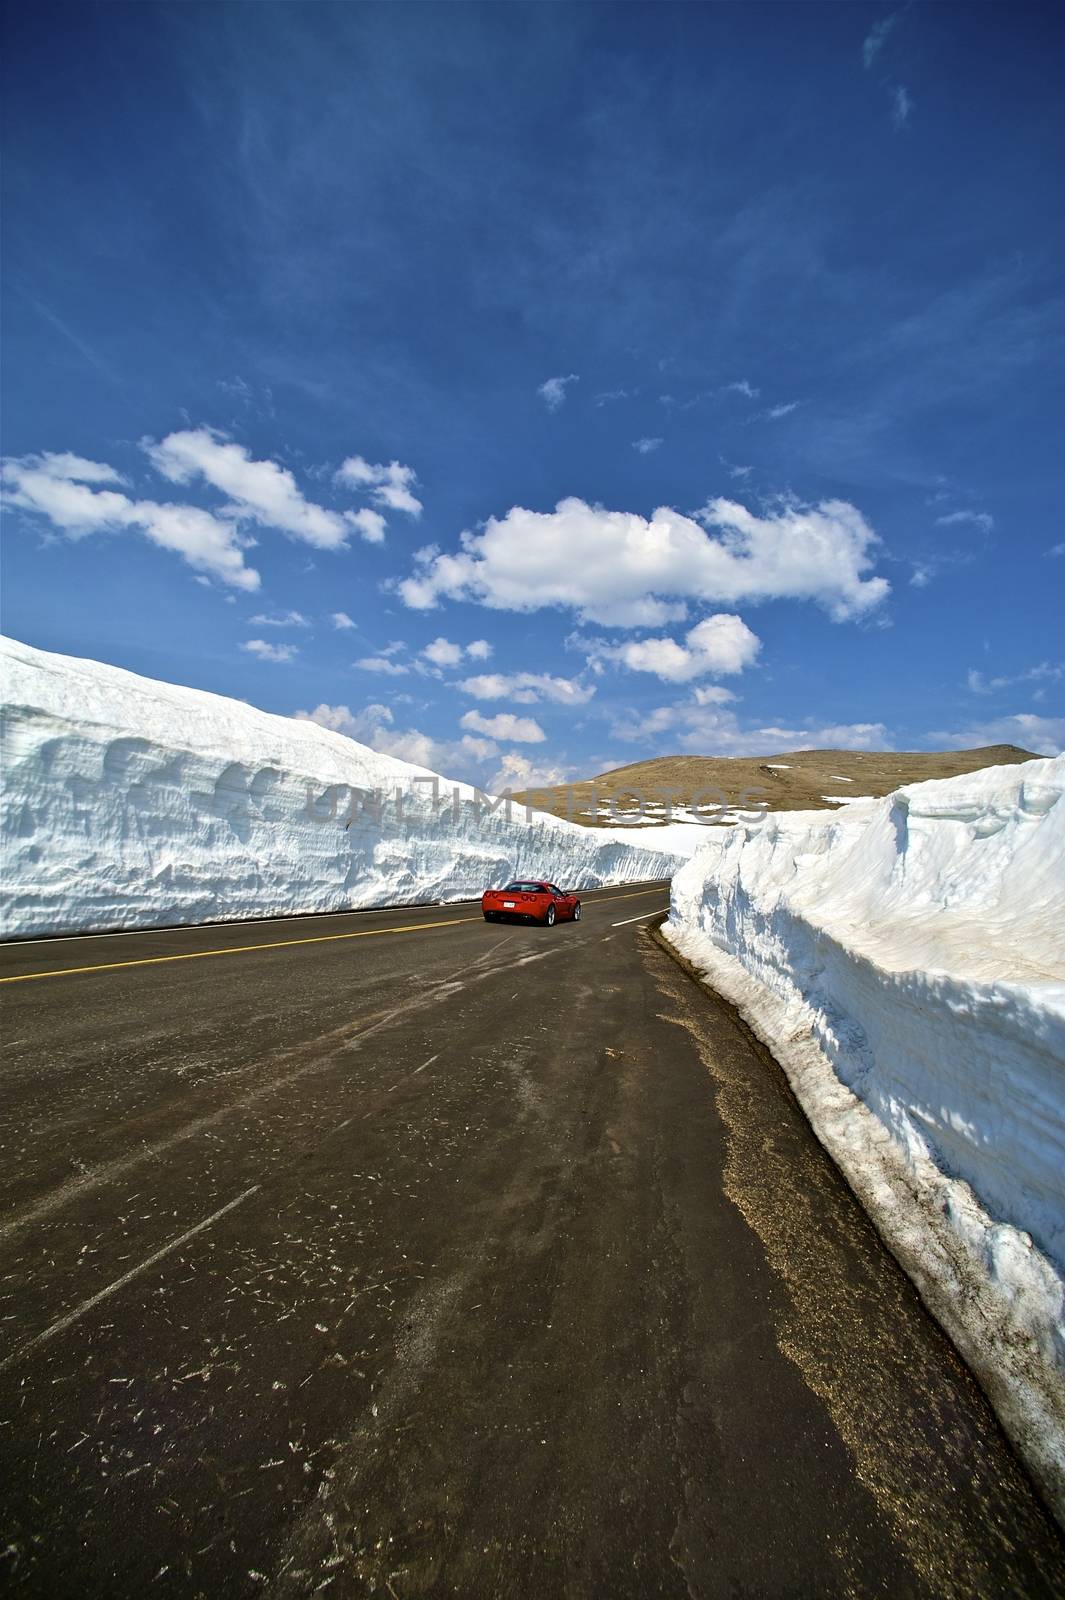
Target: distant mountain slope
(797, 780)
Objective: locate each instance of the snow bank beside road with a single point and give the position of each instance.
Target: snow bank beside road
(129, 803)
(905, 961)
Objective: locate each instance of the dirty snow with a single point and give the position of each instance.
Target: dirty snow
(129, 803)
(904, 958)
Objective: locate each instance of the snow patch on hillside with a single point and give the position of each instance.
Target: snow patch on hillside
(904, 959)
(129, 803)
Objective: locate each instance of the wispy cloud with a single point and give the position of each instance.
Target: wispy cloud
(553, 391)
(340, 619)
(82, 346)
(901, 107)
(734, 470)
(972, 341)
(977, 519)
(776, 412)
(645, 446)
(238, 388)
(876, 38)
(741, 386)
(281, 619)
(606, 397)
(1045, 672)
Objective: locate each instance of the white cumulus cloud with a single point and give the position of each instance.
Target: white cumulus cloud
(390, 485)
(443, 653)
(383, 664)
(1044, 736)
(719, 645)
(522, 730)
(518, 773)
(368, 524)
(270, 652)
(527, 688)
(622, 570)
(468, 758)
(261, 490)
(340, 619)
(58, 487)
(700, 726)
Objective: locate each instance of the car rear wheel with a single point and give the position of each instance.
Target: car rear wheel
(489, 916)
(550, 917)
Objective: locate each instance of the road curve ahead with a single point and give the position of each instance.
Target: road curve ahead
(399, 1254)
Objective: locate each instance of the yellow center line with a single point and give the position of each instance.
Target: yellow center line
(273, 944)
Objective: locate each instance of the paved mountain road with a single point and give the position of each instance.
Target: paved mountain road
(461, 1260)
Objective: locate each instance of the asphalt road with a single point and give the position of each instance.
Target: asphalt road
(400, 1254)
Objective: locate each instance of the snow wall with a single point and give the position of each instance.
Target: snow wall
(904, 959)
(128, 803)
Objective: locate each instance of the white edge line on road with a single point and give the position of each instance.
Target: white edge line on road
(120, 1283)
(423, 1066)
(640, 918)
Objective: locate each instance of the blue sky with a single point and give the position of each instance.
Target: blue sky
(529, 389)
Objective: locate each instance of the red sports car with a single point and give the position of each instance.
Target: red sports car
(525, 901)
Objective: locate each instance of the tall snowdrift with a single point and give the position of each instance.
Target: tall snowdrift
(905, 961)
(129, 803)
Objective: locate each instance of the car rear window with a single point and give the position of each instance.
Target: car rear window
(524, 888)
